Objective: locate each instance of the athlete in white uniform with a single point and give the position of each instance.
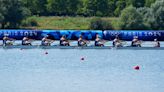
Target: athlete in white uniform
(157, 43)
(136, 42)
(82, 42)
(117, 42)
(7, 40)
(26, 41)
(46, 41)
(99, 41)
(64, 41)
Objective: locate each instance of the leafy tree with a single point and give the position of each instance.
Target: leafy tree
(82, 7)
(1, 17)
(131, 19)
(148, 3)
(63, 7)
(31, 5)
(14, 13)
(57, 7)
(72, 6)
(154, 16)
(120, 5)
(37, 7)
(147, 15)
(2, 12)
(90, 7)
(136, 3)
(41, 7)
(158, 14)
(98, 7)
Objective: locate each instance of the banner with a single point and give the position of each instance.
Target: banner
(145, 35)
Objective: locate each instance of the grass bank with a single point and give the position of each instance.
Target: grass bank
(77, 23)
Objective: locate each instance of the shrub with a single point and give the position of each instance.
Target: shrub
(153, 16)
(99, 24)
(131, 19)
(30, 22)
(158, 11)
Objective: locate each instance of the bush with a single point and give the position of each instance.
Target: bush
(30, 22)
(33, 23)
(153, 16)
(99, 24)
(131, 19)
(147, 16)
(158, 11)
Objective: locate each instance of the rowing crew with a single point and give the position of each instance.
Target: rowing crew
(46, 41)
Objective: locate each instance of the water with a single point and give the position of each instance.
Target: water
(64, 71)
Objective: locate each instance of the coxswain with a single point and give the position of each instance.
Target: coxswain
(7, 40)
(26, 41)
(64, 41)
(81, 41)
(117, 42)
(46, 41)
(157, 43)
(136, 42)
(99, 41)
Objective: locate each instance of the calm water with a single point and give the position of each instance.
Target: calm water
(64, 71)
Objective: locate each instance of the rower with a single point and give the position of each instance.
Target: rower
(157, 43)
(46, 41)
(7, 40)
(64, 41)
(81, 41)
(26, 41)
(136, 42)
(117, 42)
(98, 41)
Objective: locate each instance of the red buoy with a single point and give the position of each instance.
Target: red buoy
(46, 53)
(137, 67)
(82, 58)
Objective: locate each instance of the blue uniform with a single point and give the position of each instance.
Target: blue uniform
(96, 43)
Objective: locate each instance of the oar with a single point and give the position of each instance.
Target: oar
(71, 41)
(123, 42)
(104, 41)
(32, 40)
(87, 42)
(140, 42)
(10, 43)
(51, 41)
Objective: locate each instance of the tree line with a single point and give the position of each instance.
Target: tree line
(141, 14)
(101, 8)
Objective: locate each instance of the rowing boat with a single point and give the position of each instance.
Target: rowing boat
(77, 47)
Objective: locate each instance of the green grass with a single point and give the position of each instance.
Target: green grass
(76, 23)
